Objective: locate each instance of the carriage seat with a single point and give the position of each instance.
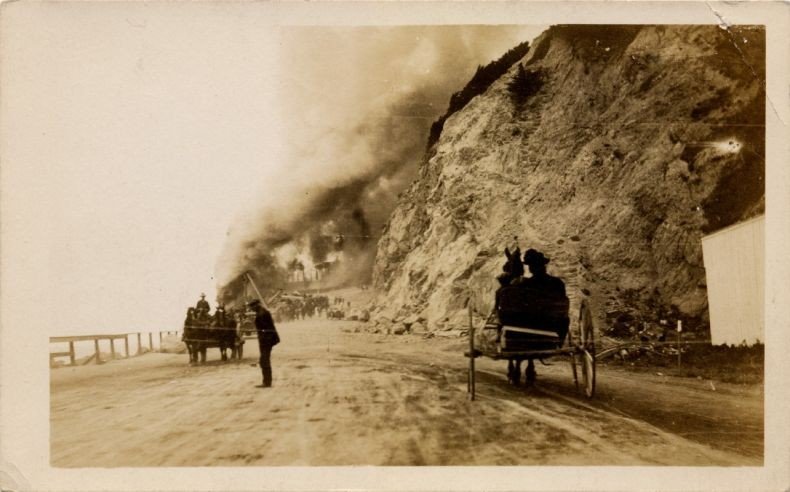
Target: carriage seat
(532, 319)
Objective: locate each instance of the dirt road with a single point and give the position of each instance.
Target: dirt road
(360, 399)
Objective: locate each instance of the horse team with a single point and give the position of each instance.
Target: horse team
(203, 331)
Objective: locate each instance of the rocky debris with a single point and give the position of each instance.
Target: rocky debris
(649, 341)
(452, 333)
(410, 320)
(418, 328)
(614, 169)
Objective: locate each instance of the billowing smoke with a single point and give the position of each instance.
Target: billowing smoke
(356, 105)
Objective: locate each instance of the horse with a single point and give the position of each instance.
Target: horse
(192, 335)
(224, 332)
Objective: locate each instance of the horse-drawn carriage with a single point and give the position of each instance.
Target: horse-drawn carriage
(203, 331)
(529, 324)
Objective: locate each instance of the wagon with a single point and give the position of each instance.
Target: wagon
(200, 335)
(529, 325)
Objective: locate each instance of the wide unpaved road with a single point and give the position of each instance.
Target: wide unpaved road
(358, 399)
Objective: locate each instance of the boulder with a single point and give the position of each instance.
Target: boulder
(410, 320)
(450, 333)
(418, 328)
(458, 320)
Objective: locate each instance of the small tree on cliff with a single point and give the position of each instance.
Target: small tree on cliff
(524, 84)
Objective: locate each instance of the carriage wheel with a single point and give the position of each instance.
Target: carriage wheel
(587, 352)
(572, 357)
(470, 378)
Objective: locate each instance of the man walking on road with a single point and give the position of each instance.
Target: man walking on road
(267, 338)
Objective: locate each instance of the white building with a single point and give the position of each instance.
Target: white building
(735, 271)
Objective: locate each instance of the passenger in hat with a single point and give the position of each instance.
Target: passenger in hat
(546, 305)
(540, 279)
(267, 339)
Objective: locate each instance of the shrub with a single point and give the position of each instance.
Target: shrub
(524, 84)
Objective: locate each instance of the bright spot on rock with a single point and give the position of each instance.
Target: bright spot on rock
(729, 146)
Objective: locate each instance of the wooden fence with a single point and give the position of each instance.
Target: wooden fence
(96, 357)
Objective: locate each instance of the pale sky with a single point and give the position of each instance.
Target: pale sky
(139, 135)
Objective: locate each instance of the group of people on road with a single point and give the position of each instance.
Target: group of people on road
(512, 276)
(301, 307)
(309, 306)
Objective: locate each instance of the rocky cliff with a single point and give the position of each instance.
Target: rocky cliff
(638, 141)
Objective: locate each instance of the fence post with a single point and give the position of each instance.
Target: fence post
(71, 352)
(139, 347)
(126, 344)
(160, 341)
(680, 328)
(112, 348)
(150, 341)
(98, 356)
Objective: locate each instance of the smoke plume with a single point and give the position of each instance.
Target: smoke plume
(356, 105)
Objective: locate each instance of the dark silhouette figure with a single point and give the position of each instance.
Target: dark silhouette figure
(539, 279)
(202, 307)
(267, 339)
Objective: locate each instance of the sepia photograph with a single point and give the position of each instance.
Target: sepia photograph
(235, 243)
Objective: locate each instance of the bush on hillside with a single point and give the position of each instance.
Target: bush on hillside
(524, 84)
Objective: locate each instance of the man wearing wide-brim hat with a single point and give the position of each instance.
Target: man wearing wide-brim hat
(202, 304)
(267, 339)
(537, 261)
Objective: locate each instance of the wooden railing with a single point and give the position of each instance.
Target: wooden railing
(71, 354)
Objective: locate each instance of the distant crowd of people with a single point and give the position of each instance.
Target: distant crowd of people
(291, 307)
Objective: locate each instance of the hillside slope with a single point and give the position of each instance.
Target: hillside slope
(641, 140)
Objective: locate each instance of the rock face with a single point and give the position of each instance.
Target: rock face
(640, 140)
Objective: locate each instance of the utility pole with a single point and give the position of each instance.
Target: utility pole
(252, 282)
